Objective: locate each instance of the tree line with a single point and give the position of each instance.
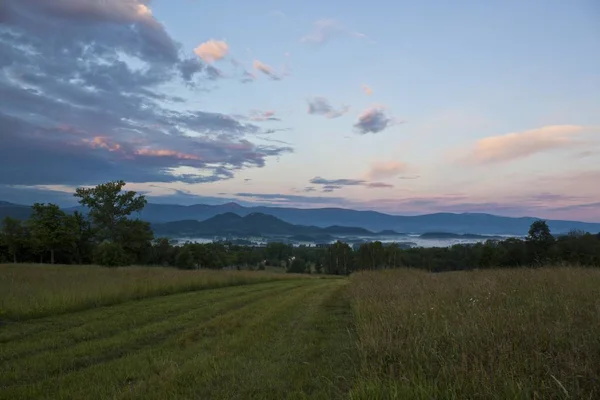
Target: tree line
(108, 235)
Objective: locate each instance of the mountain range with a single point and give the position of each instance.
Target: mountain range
(254, 224)
(325, 217)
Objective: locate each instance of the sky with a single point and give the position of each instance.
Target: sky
(404, 107)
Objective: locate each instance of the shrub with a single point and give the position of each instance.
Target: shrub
(110, 254)
(185, 259)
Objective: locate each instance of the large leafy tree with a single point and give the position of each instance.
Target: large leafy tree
(109, 208)
(540, 239)
(82, 237)
(338, 259)
(14, 236)
(51, 228)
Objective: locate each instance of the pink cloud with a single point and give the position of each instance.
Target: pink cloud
(386, 169)
(103, 142)
(367, 89)
(166, 153)
(212, 50)
(518, 145)
(265, 69)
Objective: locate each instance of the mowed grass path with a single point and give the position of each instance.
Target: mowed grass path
(284, 339)
(33, 291)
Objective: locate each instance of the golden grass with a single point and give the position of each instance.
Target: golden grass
(29, 291)
(493, 334)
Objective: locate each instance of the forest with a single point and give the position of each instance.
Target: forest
(107, 235)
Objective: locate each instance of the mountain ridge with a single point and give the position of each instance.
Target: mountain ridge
(375, 221)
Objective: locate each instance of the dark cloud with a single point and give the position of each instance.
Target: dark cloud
(321, 106)
(373, 120)
(379, 185)
(330, 188)
(341, 182)
(247, 77)
(81, 83)
(330, 185)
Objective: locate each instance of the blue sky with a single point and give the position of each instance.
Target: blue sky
(417, 107)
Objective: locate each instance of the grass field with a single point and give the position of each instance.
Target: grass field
(29, 291)
(503, 334)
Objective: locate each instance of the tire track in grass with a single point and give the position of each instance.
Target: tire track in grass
(106, 348)
(145, 312)
(301, 351)
(15, 330)
(108, 378)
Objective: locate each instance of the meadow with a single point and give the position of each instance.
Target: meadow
(491, 334)
(404, 334)
(34, 290)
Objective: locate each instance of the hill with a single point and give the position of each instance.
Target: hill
(255, 224)
(14, 210)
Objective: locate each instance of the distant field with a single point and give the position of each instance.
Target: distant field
(28, 291)
(496, 334)
(398, 334)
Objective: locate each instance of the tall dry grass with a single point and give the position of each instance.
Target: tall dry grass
(494, 334)
(29, 291)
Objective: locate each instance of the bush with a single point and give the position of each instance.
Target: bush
(111, 255)
(185, 259)
(298, 266)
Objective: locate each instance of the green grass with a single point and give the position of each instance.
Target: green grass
(30, 291)
(283, 339)
(502, 334)
(401, 334)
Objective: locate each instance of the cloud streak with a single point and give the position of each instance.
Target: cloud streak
(330, 185)
(325, 30)
(266, 70)
(518, 145)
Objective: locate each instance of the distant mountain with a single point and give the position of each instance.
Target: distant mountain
(14, 210)
(255, 224)
(475, 223)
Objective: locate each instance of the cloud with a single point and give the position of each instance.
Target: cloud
(329, 185)
(291, 199)
(367, 89)
(248, 77)
(326, 29)
(373, 120)
(342, 182)
(516, 145)
(321, 106)
(266, 69)
(387, 169)
(212, 50)
(269, 115)
(87, 103)
(379, 185)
